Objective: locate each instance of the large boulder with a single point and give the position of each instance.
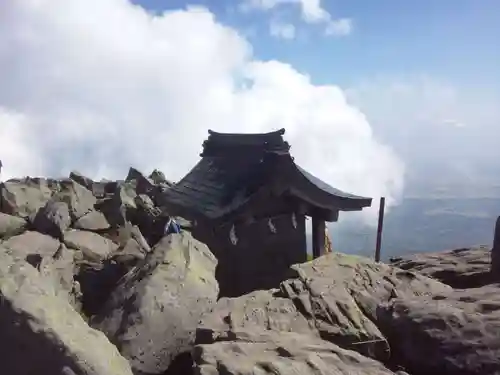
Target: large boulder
(92, 221)
(79, 199)
(93, 246)
(11, 225)
(152, 315)
(82, 180)
(281, 354)
(45, 253)
(334, 297)
(455, 333)
(31, 245)
(340, 294)
(53, 219)
(42, 334)
(259, 311)
(24, 197)
(459, 268)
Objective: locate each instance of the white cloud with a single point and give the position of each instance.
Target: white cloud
(99, 85)
(340, 27)
(447, 133)
(312, 12)
(282, 30)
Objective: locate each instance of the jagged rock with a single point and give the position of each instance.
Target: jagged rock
(94, 247)
(116, 208)
(281, 354)
(42, 334)
(92, 221)
(152, 315)
(262, 310)
(340, 294)
(133, 246)
(79, 199)
(53, 219)
(460, 268)
(24, 197)
(11, 225)
(449, 334)
(31, 246)
(158, 177)
(82, 180)
(337, 296)
(60, 270)
(45, 253)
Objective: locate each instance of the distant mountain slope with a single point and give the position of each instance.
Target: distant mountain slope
(423, 224)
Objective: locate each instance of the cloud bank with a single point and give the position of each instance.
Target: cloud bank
(99, 85)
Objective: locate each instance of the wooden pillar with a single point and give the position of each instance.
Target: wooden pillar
(318, 237)
(379, 229)
(495, 251)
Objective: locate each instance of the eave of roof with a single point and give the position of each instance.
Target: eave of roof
(234, 170)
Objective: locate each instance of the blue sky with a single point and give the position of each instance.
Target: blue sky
(451, 39)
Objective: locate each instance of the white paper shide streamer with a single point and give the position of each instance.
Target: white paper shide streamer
(271, 226)
(232, 235)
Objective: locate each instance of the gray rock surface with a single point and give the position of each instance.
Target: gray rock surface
(334, 298)
(459, 268)
(153, 314)
(281, 354)
(93, 246)
(92, 221)
(24, 197)
(455, 333)
(53, 219)
(11, 225)
(40, 333)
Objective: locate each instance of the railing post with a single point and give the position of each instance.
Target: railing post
(379, 228)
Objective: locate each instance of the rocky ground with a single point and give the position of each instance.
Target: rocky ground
(89, 285)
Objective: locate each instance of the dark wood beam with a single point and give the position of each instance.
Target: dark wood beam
(318, 237)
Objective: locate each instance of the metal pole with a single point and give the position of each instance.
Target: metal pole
(379, 228)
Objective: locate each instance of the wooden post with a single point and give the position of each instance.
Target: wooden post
(379, 228)
(318, 237)
(495, 251)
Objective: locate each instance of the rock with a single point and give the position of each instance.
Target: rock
(53, 219)
(54, 261)
(340, 294)
(94, 247)
(152, 315)
(82, 180)
(31, 246)
(335, 297)
(117, 208)
(133, 246)
(60, 270)
(460, 268)
(42, 334)
(453, 333)
(262, 310)
(11, 225)
(79, 199)
(92, 221)
(24, 197)
(157, 176)
(495, 252)
(281, 354)
(97, 280)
